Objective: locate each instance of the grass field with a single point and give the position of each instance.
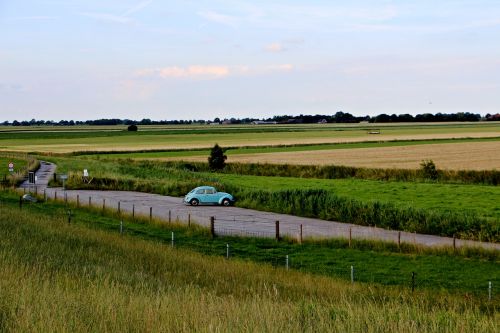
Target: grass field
(56, 276)
(206, 136)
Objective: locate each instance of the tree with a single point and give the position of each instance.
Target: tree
(217, 159)
(429, 170)
(132, 128)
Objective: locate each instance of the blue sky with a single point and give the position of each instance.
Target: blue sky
(205, 59)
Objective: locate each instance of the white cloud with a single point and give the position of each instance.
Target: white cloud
(211, 72)
(219, 18)
(275, 47)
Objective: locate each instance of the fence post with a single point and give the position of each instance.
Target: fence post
(90, 201)
(454, 243)
(150, 214)
(413, 281)
(301, 239)
(277, 230)
(399, 238)
(103, 204)
(119, 207)
(212, 226)
(415, 238)
(44, 194)
(36, 190)
(169, 216)
(352, 274)
(55, 195)
(286, 259)
(172, 239)
(189, 220)
(227, 251)
(121, 227)
(65, 197)
(69, 216)
(489, 290)
(133, 211)
(78, 201)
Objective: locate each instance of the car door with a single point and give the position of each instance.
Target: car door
(211, 196)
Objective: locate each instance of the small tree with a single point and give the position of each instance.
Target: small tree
(132, 128)
(429, 169)
(217, 159)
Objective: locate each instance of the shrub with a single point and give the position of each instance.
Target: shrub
(429, 170)
(132, 128)
(217, 159)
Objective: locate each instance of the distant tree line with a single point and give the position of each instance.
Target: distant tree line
(339, 117)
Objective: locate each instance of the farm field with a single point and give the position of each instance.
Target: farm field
(85, 276)
(480, 155)
(206, 136)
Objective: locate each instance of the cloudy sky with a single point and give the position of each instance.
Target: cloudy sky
(89, 59)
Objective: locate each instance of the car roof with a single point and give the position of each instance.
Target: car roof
(204, 187)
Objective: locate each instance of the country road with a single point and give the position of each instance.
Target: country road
(235, 220)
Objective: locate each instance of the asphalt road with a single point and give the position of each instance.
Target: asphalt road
(234, 220)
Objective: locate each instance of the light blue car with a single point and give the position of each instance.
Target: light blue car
(208, 195)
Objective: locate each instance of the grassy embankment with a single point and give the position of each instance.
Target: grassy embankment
(22, 164)
(469, 211)
(56, 276)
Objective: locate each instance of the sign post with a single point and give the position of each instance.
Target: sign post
(63, 177)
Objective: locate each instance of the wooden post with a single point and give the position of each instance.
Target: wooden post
(44, 195)
(90, 201)
(399, 239)
(36, 190)
(150, 214)
(189, 220)
(55, 195)
(212, 226)
(169, 216)
(65, 197)
(454, 243)
(78, 200)
(103, 204)
(300, 239)
(277, 230)
(412, 281)
(133, 211)
(118, 207)
(350, 237)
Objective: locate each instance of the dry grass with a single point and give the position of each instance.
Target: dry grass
(457, 156)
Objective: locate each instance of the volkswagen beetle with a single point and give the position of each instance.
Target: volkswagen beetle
(208, 195)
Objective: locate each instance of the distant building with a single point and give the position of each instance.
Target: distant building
(261, 122)
(322, 121)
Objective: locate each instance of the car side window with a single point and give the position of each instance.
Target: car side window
(200, 191)
(209, 191)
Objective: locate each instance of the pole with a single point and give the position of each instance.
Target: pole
(413, 281)
(78, 200)
(454, 243)
(352, 274)
(277, 230)
(133, 211)
(189, 220)
(286, 262)
(121, 227)
(212, 226)
(150, 214)
(399, 239)
(169, 216)
(227, 251)
(119, 208)
(55, 195)
(103, 204)
(90, 201)
(489, 290)
(44, 195)
(172, 239)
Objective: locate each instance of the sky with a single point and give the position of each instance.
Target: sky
(166, 60)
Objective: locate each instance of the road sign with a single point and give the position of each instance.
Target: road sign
(11, 167)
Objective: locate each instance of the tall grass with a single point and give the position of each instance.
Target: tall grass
(57, 277)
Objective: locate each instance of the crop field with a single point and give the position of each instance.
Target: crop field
(85, 276)
(229, 136)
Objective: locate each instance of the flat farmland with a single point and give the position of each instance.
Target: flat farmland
(230, 136)
(452, 156)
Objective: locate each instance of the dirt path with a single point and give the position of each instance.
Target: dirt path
(234, 220)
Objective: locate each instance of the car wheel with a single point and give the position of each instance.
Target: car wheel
(194, 202)
(226, 202)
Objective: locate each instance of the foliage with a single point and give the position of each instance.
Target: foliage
(429, 170)
(132, 128)
(217, 158)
